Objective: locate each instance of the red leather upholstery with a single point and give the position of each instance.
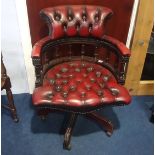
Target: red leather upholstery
(36, 52)
(79, 84)
(75, 20)
(122, 48)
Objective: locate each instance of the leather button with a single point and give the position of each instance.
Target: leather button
(58, 88)
(102, 85)
(98, 74)
(65, 94)
(57, 17)
(96, 19)
(72, 88)
(65, 81)
(92, 80)
(90, 27)
(84, 16)
(105, 78)
(58, 75)
(114, 91)
(65, 26)
(100, 93)
(49, 95)
(88, 87)
(52, 81)
(83, 94)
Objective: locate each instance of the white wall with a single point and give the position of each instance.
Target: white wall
(11, 47)
(26, 41)
(132, 23)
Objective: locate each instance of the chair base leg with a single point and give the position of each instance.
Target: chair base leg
(15, 117)
(69, 130)
(103, 122)
(42, 114)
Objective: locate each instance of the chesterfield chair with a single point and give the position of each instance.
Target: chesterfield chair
(6, 84)
(79, 69)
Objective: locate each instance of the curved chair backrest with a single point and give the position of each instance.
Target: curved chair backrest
(76, 20)
(78, 32)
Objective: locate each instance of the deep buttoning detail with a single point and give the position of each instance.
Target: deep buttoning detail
(73, 21)
(81, 83)
(75, 80)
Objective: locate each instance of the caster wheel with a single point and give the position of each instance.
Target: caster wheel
(16, 120)
(43, 118)
(109, 134)
(67, 147)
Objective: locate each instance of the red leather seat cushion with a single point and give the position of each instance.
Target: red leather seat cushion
(80, 84)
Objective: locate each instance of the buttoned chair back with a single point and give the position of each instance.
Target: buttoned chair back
(78, 32)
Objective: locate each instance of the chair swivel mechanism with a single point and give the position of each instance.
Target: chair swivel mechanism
(79, 69)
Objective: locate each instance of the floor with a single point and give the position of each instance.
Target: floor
(133, 135)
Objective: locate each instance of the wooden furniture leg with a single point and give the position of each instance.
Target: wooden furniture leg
(6, 84)
(69, 130)
(11, 105)
(103, 122)
(64, 123)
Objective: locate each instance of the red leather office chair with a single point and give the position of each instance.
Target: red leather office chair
(78, 68)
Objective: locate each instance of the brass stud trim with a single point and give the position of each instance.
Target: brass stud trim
(77, 69)
(90, 69)
(64, 70)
